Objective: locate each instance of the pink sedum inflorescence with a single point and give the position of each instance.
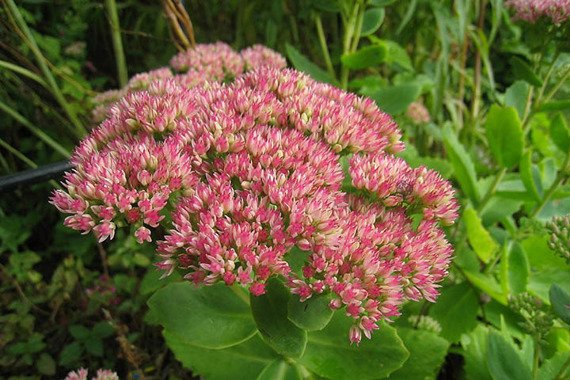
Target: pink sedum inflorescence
(82, 374)
(228, 179)
(531, 10)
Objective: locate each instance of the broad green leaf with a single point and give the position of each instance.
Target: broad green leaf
(475, 353)
(270, 314)
(70, 354)
(396, 99)
(312, 314)
(550, 368)
(516, 96)
(523, 71)
(279, 369)
(329, 353)
(555, 105)
(102, 330)
(396, 54)
(518, 268)
(244, 361)
(372, 20)
(560, 301)
(463, 167)
(302, 63)
(79, 332)
(504, 318)
(505, 135)
(296, 258)
(527, 176)
(427, 353)
(498, 208)
(456, 310)
(503, 361)
(479, 238)
(94, 346)
(367, 56)
(487, 284)
(207, 316)
(46, 365)
(560, 133)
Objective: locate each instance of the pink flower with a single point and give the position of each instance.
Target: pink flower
(531, 10)
(232, 177)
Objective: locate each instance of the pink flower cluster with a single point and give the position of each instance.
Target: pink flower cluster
(216, 62)
(228, 179)
(532, 10)
(102, 374)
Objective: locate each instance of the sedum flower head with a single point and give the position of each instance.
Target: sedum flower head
(227, 179)
(558, 11)
(82, 373)
(559, 229)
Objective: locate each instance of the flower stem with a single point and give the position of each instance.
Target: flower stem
(323, 43)
(559, 178)
(111, 7)
(492, 189)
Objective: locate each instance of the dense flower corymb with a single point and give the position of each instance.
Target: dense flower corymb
(531, 10)
(240, 174)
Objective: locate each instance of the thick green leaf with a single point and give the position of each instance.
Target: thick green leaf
(456, 311)
(427, 352)
(560, 133)
(463, 167)
(518, 268)
(396, 99)
(527, 176)
(475, 353)
(280, 370)
(503, 361)
(396, 54)
(505, 135)
(70, 354)
(560, 301)
(46, 365)
(523, 71)
(367, 56)
(270, 314)
(329, 353)
(244, 361)
(479, 238)
(302, 63)
(516, 96)
(207, 316)
(313, 314)
(372, 20)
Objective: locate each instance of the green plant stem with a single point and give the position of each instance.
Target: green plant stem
(348, 42)
(25, 72)
(112, 14)
(323, 43)
(558, 85)
(559, 178)
(492, 189)
(547, 78)
(35, 130)
(536, 358)
(31, 42)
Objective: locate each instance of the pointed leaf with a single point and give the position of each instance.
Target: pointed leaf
(527, 177)
(505, 135)
(207, 316)
(475, 353)
(329, 353)
(302, 63)
(396, 99)
(479, 238)
(560, 133)
(463, 167)
(367, 56)
(372, 20)
(560, 301)
(270, 314)
(518, 269)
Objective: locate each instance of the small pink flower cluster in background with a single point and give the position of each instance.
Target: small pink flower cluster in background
(418, 113)
(229, 178)
(216, 62)
(532, 10)
(102, 374)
